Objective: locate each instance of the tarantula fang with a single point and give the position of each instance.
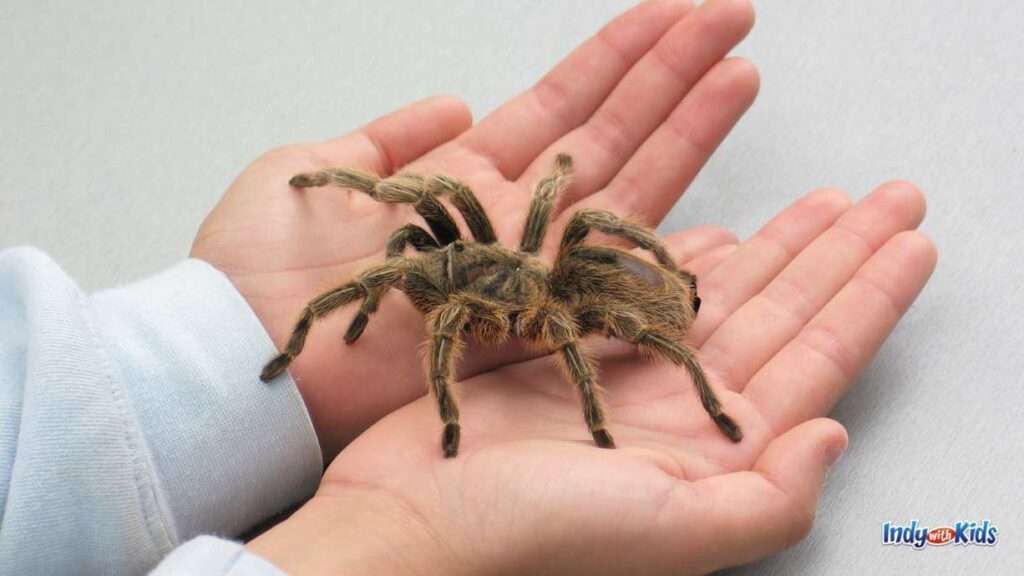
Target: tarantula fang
(490, 292)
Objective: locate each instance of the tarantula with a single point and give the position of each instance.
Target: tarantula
(480, 288)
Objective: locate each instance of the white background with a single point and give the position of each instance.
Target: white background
(121, 123)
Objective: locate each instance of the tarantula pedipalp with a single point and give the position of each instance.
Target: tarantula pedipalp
(493, 292)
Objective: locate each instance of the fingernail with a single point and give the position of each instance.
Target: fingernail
(833, 454)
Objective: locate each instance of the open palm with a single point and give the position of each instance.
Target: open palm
(640, 107)
(790, 318)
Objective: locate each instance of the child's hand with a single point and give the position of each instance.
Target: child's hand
(640, 107)
(789, 319)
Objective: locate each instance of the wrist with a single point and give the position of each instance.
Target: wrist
(356, 531)
(277, 324)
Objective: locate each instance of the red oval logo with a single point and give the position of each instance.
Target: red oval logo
(940, 536)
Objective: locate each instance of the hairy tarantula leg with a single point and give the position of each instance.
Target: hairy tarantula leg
(468, 205)
(362, 318)
(411, 189)
(581, 370)
(604, 221)
(323, 305)
(410, 235)
(681, 354)
(401, 189)
(446, 322)
(545, 195)
(557, 329)
(374, 292)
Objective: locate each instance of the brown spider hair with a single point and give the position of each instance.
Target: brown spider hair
(493, 292)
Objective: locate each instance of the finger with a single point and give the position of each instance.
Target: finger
(705, 264)
(689, 244)
(747, 515)
(744, 342)
(648, 94)
(809, 375)
(390, 142)
(655, 177)
(760, 258)
(513, 135)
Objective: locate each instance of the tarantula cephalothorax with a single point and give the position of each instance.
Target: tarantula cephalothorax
(492, 292)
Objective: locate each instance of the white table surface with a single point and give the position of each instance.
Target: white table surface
(121, 124)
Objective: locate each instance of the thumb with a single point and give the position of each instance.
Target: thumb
(795, 464)
(752, 514)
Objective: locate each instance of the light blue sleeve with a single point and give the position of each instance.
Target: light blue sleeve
(209, 556)
(133, 419)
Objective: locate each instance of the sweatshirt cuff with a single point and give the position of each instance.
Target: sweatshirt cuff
(223, 449)
(209, 556)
